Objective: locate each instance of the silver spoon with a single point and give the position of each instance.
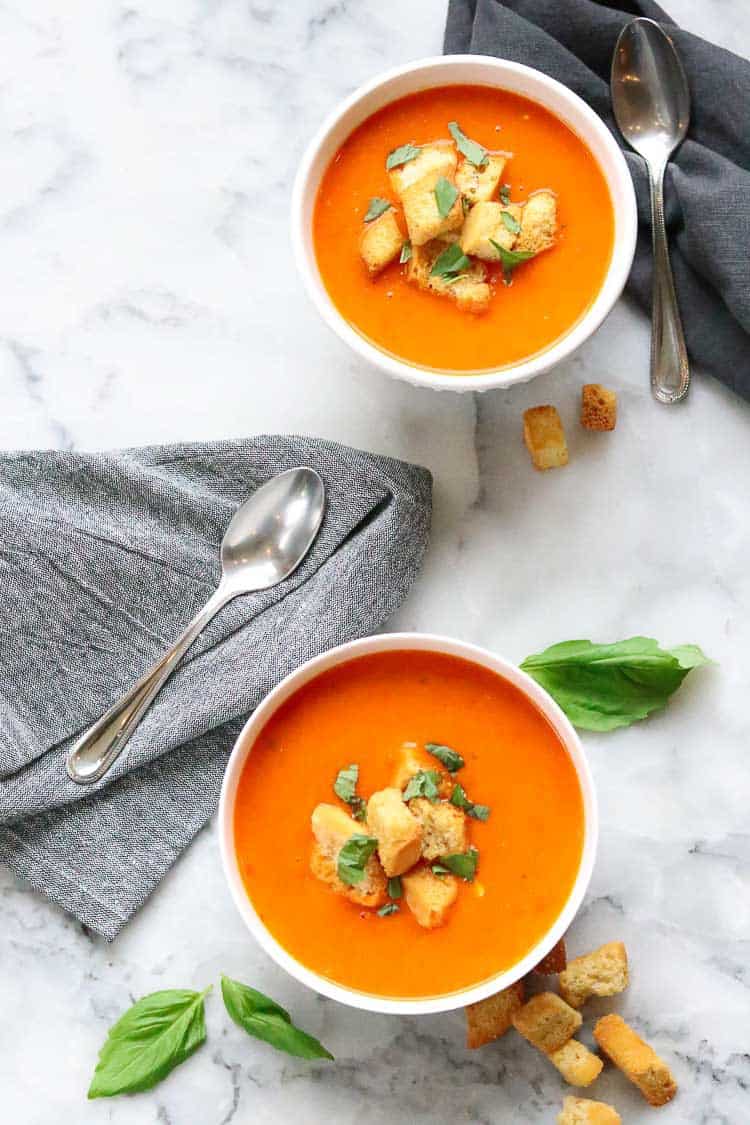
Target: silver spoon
(651, 101)
(267, 539)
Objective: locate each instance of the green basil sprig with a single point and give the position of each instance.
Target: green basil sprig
(450, 262)
(345, 787)
(475, 153)
(510, 222)
(395, 888)
(378, 206)
(446, 195)
(510, 259)
(425, 783)
(505, 194)
(353, 858)
(461, 801)
(264, 1019)
(406, 252)
(601, 687)
(449, 757)
(463, 864)
(402, 155)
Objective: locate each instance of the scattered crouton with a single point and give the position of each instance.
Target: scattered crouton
(547, 1021)
(443, 827)
(332, 827)
(554, 962)
(399, 834)
(485, 225)
(471, 296)
(436, 159)
(428, 896)
(469, 290)
(538, 223)
(545, 438)
(578, 1065)
(423, 219)
(489, 1019)
(480, 184)
(581, 1111)
(601, 973)
(598, 407)
(381, 241)
(636, 1059)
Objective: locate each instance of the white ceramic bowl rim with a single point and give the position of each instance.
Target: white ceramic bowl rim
(484, 70)
(342, 654)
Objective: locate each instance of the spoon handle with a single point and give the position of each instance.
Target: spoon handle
(670, 372)
(93, 754)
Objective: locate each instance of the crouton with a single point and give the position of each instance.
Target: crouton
(429, 896)
(598, 407)
(489, 1019)
(423, 219)
(547, 1021)
(635, 1059)
(412, 759)
(601, 973)
(436, 159)
(480, 184)
(538, 223)
(399, 834)
(578, 1065)
(484, 223)
(554, 962)
(468, 290)
(332, 827)
(471, 296)
(582, 1111)
(381, 241)
(544, 437)
(443, 827)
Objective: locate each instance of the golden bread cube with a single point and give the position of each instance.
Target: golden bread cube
(484, 223)
(480, 184)
(469, 291)
(381, 241)
(399, 834)
(582, 1111)
(489, 1019)
(428, 896)
(443, 827)
(578, 1065)
(544, 436)
(332, 827)
(636, 1059)
(436, 159)
(601, 973)
(538, 222)
(423, 219)
(547, 1021)
(598, 407)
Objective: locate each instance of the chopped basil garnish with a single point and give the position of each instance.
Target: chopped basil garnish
(395, 890)
(461, 801)
(389, 908)
(438, 869)
(402, 155)
(405, 252)
(452, 260)
(463, 864)
(505, 194)
(378, 206)
(510, 222)
(475, 153)
(450, 758)
(353, 858)
(510, 259)
(424, 784)
(345, 787)
(466, 205)
(446, 195)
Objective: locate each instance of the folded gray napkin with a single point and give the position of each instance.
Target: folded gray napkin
(708, 183)
(103, 560)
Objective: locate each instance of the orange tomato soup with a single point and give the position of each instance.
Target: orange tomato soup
(363, 711)
(549, 294)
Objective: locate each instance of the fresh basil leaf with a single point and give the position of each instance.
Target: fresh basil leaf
(389, 908)
(353, 858)
(425, 783)
(479, 812)
(378, 206)
(345, 787)
(262, 1018)
(451, 759)
(395, 890)
(510, 259)
(475, 153)
(461, 801)
(446, 195)
(463, 864)
(505, 194)
(601, 687)
(510, 222)
(452, 260)
(402, 155)
(158, 1033)
(405, 252)
(438, 869)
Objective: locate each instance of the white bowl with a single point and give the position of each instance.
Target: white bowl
(479, 70)
(243, 747)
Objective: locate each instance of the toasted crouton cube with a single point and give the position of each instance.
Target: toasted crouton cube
(544, 437)
(484, 225)
(428, 896)
(332, 827)
(436, 159)
(547, 1021)
(480, 184)
(423, 219)
(582, 1111)
(538, 222)
(472, 296)
(601, 973)
(489, 1019)
(578, 1065)
(399, 834)
(554, 962)
(469, 291)
(598, 407)
(381, 241)
(638, 1062)
(443, 827)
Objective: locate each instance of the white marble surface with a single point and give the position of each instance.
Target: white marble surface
(147, 152)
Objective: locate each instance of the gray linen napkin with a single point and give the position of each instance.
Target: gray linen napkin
(708, 184)
(103, 560)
